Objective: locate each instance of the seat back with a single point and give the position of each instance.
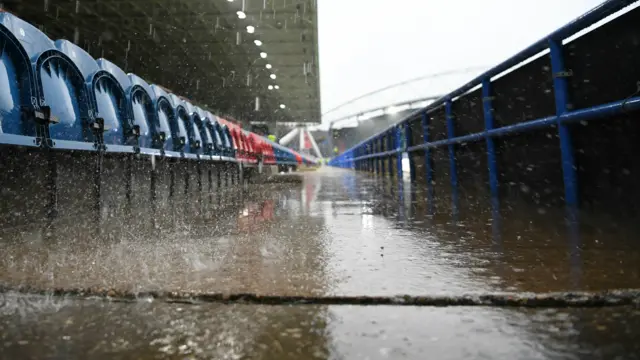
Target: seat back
(251, 141)
(228, 140)
(32, 39)
(65, 92)
(125, 83)
(246, 141)
(197, 144)
(59, 82)
(184, 125)
(108, 98)
(233, 137)
(17, 80)
(205, 131)
(142, 110)
(166, 119)
(220, 137)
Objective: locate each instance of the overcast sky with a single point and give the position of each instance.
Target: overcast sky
(368, 44)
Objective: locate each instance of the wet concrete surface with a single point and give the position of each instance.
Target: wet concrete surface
(56, 329)
(338, 233)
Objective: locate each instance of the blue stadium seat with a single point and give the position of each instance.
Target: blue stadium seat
(63, 98)
(197, 143)
(184, 124)
(169, 130)
(107, 95)
(214, 128)
(125, 83)
(18, 91)
(205, 134)
(223, 137)
(142, 110)
(228, 142)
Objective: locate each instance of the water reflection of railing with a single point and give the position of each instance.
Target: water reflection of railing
(524, 249)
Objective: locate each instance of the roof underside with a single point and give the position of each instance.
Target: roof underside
(201, 49)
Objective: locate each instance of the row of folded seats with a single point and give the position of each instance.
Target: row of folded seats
(57, 92)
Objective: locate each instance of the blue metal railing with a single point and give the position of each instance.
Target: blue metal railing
(355, 156)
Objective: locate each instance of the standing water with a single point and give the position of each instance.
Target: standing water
(339, 233)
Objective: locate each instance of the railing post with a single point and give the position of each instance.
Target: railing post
(390, 147)
(487, 103)
(383, 165)
(427, 158)
(365, 162)
(408, 135)
(354, 153)
(452, 154)
(398, 148)
(356, 163)
(330, 141)
(560, 87)
(370, 161)
(352, 162)
(375, 160)
(378, 159)
(380, 142)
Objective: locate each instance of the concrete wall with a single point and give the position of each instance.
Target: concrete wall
(89, 189)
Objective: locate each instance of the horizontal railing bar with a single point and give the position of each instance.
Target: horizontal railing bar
(593, 113)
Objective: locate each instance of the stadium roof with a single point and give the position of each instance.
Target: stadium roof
(204, 50)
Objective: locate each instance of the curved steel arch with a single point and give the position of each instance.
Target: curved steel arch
(402, 103)
(423, 77)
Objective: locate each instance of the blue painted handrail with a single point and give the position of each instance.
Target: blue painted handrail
(364, 154)
(611, 109)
